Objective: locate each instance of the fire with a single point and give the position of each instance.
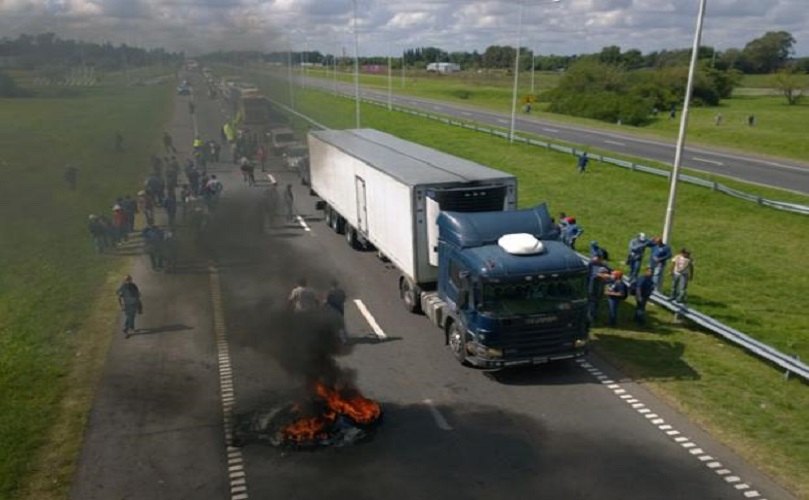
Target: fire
(356, 408)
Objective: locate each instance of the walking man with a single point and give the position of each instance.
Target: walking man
(153, 244)
(168, 143)
(583, 159)
(682, 271)
(335, 300)
(289, 201)
(129, 300)
(302, 298)
(71, 176)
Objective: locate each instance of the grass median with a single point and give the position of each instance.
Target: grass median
(749, 275)
(52, 330)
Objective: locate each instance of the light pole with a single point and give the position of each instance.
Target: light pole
(356, 65)
(675, 172)
(533, 64)
(289, 74)
(517, 71)
(390, 84)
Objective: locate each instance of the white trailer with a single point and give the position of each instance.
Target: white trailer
(387, 192)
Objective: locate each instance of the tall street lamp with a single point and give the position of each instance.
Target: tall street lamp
(675, 173)
(517, 70)
(356, 65)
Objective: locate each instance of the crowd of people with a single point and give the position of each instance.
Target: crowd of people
(639, 281)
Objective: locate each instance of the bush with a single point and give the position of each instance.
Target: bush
(9, 88)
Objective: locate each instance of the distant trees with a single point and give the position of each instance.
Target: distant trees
(8, 87)
(768, 53)
(788, 82)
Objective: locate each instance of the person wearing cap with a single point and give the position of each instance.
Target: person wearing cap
(660, 255)
(616, 293)
(682, 271)
(129, 300)
(596, 250)
(637, 250)
(119, 221)
(571, 232)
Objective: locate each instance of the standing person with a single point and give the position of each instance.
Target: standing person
(168, 143)
(660, 255)
(571, 232)
(191, 107)
(271, 202)
(335, 299)
(119, 142)
(595, 286)
(598, 251)
(71, 176)
(289, 202)
(185, 200)
(170, 204)
(153, 244)
(751, 120)
(682, 271)
(673, 112)
(130, 207)
(169, 250)
(583, 159)
(251, 174)
(98, 233)
(643, 290)
(243, 166)
(637, 250)
(146, 205)
(302, 298)
(616, 293)
(129, 300)
(120, 223)
(213, 188)
(261, 156)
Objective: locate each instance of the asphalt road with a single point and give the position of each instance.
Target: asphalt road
(571, 431)
(774, 172)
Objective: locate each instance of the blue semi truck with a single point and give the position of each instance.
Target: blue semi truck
(496, 280)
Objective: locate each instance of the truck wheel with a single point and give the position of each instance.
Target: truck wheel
(410, 295)
(339, 223)
(328, 216)
(351, 237)
(457, 342)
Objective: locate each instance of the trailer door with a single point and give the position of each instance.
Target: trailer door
(362, 207)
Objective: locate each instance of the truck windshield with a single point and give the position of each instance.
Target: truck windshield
(507, 298)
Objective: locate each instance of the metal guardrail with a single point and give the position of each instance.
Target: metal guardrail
(791, 365)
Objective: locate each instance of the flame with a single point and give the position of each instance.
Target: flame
(357, 408)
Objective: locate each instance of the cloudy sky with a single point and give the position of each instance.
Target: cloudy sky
(388, 26)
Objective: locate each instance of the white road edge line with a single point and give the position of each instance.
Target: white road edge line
(302, 223)
(370, 319)
(705, 160)
(271, 179)
(554, 130)
(440, 421)
(615, 142)
(236, 474)
(684, 442)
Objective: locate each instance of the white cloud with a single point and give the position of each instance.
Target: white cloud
(569, 27)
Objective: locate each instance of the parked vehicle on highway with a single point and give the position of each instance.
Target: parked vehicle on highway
(497, 281)
(296, 155)
(281, 139)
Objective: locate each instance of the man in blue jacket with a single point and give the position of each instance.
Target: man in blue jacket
(637, 250)
(661, 253)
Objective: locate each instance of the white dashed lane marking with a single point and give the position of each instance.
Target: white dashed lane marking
(705, 160)
(370, 319)
(235, 461)
(672, 433)
(440, 421)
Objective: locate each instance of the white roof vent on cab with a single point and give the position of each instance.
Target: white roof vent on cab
(521, 244)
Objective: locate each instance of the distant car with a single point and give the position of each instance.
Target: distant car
(183, 90)
(282, 139)
(295, 155)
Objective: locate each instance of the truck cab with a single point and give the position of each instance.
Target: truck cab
(509, 292)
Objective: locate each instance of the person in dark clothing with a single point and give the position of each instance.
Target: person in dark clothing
(170, 204)
(634, 259)
(169, 251)
(98, 233)
(153, 244)
(289, 202)
(660, 255)
(335, 300)
(71, 176)
(119, 142)
(129, 300)
(643, 290)
(168, 143)
(582, 163)
(599, 273)
(130, 207)
(616, 293)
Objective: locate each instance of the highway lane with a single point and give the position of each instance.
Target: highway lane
(562, 431)
(774, 172)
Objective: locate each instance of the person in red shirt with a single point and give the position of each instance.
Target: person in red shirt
(261, 156)
(121, 224)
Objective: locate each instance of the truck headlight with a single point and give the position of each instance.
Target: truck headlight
(494, 353)
(580, 343)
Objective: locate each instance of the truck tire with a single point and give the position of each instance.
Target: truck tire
(328, 214)
(456, 339)
(410, 295)
(338, 223)
(351, 237)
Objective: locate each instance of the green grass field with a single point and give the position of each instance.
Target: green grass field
(749, 275)
(779, 129)
(50, 275)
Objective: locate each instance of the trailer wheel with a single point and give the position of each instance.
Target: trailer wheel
(328, 215)
(456, 339)
(339, 223)
(410, 295)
